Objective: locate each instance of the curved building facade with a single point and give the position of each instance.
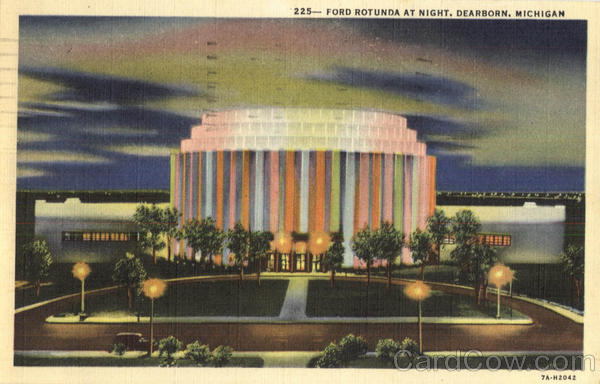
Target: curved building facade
(304, 170)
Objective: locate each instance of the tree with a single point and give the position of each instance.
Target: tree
(420, 247)
(129, 271)
(438, 228)
(170, 227)
(365, 247)
(259, 244)
(150, 221)
(484, 260)
(38, 259)
(474, 259)
(334, 257)
(237, 243)
(465, 226)
(573, 261)
(390, 242)
(204, 236)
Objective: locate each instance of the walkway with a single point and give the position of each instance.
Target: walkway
(294, 305)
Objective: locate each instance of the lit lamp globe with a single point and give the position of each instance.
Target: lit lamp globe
(319, 242)
(153, 289)
(418, 291)
(500, 275)
(282, 242)
(80, 271)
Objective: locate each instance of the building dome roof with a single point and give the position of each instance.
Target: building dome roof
(273, 129)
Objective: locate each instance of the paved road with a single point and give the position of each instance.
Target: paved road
(550, 332)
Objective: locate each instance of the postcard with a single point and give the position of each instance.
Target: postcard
(299, 191)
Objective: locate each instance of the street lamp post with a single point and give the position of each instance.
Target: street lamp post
(80, 271)
(153, 289)
(500, 275)
(418, 291)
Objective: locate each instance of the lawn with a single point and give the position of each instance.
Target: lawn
(544, 281)
(216, 298)
(355, 299)
(119, 361)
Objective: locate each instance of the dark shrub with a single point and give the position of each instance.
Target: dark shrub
(221, 356)
(352, 347)
(199, 354)
(331, 357)
(386, 349)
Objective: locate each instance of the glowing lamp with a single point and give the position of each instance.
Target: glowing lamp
(154, 288)
(417, 291)
(319, 242)
(282, 243)
(500, 275)
(81, 270)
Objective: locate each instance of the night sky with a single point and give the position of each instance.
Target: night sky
(103, 100)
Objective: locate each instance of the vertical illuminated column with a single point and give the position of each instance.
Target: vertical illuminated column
(416, 180)
(312, 190)
(190, 183)
(304, 206)
(177, 197)
(363, 192)
(376, 192)
(245, 207)
(274, 192)
(183, 187)
(387, 213)
(219, 191)
(289, 192)
(172, 180)
(194, 176)
(209, 170)
(282, 199)
(335, 199)
(423, 191)
(232, 192)
(183, 195)
(432, 201)
(348, 219)
(399, 192)
(259, 190)
(320, 191)
(408, 190)
(198, 194)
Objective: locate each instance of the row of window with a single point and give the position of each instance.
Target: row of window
(494, 239)
(100, 236)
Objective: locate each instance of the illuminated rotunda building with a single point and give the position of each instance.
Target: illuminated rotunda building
(303, 171)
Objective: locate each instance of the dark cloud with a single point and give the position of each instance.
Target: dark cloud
(419, 86)
(94, 88)
(435, 147)
(94, 127)
(430, 125)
